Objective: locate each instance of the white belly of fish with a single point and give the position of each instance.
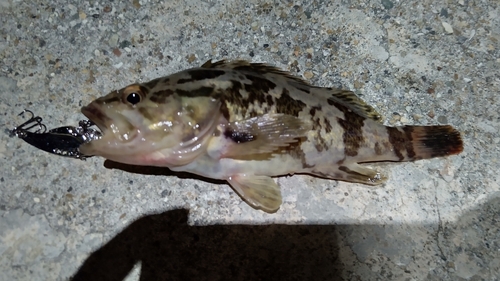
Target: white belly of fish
(226, 167)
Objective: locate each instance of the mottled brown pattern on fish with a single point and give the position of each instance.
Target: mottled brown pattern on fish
(142, 89)
(198, 92)
(161, 96)
(316, 124)
(410, 152)
(298, 153)
(317, 121)
(98, 114)
(201, 74)
(354, 103)
(259, 84)
(313, 110)
(269, 100)
(153, 83)
(288, 105)
(421, 142)
(262, 69)
(224, 110)
(353, 129)
(328, 126)
(108, 100)
(304, 89)
(319, 142)
(258, 68)
(255, 94)
(232, 101)
(399, 141)
(145, 113)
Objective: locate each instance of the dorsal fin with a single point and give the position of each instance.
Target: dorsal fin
(260, 68)
(343, 97)
(209, 64)
(351, 101)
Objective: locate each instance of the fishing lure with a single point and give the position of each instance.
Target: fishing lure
(63, 141)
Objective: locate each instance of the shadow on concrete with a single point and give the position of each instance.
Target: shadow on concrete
(170, 249)
(157, 171)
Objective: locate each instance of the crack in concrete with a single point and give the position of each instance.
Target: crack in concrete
(440, 226)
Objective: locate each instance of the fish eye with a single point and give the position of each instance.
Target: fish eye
(133, 98)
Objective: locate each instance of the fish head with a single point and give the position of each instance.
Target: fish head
(140, 126)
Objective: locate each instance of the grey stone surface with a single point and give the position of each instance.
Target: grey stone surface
(416, 62)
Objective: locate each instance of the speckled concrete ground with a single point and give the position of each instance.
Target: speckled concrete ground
(417, 62)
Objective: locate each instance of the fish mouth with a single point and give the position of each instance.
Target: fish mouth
(96, 115)
(112, 124)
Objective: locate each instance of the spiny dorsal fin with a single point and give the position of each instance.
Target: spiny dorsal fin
(351, 101)
(344, 97)
(209, 64)
(260, 68)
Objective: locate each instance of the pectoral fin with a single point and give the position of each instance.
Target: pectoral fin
(263, 134)
(260, 192)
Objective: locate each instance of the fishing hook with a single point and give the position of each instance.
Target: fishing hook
(63, 141)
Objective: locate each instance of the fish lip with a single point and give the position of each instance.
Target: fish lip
(96, 115)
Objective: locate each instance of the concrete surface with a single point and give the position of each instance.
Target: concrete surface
(417, 62)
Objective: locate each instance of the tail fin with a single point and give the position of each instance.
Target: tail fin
(434, 141)
(410, 143)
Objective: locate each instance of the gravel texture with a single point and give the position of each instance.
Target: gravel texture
(417, 62)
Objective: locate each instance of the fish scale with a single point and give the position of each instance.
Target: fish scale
(248, 122)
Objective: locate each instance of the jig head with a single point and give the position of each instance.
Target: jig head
(63, 141)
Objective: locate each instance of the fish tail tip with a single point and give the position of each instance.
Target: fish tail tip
(436, 141)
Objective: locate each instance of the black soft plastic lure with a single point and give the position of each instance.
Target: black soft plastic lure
(63, 141)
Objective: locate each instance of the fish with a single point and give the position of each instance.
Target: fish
(247, 123)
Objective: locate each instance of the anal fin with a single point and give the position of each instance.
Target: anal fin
(355, 172)
(351, 172)
(260, 192)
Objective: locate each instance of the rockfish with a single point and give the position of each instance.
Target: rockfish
(248, 122)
